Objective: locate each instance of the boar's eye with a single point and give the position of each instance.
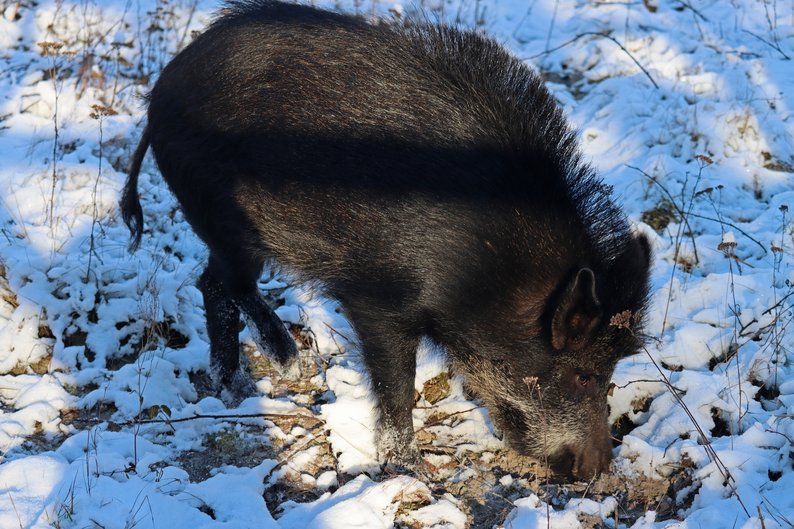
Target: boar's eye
(584, 380)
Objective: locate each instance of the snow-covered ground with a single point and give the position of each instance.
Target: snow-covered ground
(685, 107)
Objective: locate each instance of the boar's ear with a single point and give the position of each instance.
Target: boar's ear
(577, 313)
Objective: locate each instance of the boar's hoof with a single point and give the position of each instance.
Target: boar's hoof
(235, 387)
(411, 464)
(289, 370)
(400, 453)
(276, 343)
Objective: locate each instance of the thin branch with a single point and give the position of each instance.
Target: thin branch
(308, 442)
(778, 304)
(647, 380)
(197, 416)
(602, 35)
(735, 227)
(334, 330)
(440, 420)
(777, 512)
(551, 24)
(695, 11)
(775, 46)
(684, 216)
(14, 505)
(705, 441)
(696, 215)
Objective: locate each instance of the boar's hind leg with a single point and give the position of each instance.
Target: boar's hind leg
(269, 333)
(267, 330)
(223, 318)
(390, 357)
(226, 292)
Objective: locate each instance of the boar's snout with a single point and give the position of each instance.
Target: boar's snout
(585, 460)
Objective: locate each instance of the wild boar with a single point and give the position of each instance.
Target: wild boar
(425, 179)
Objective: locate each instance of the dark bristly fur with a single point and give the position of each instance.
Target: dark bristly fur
(428, 181)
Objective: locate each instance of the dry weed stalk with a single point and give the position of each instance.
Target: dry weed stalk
(604, 35)
(16, 512)
(99, 113)
(687, 204)
(778, 253)
(52, 50)
(729, 481)
(63, 510)
(534, 388)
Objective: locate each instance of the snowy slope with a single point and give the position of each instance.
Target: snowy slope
(684, 106)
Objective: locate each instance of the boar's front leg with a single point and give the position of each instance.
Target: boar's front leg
(390, 356)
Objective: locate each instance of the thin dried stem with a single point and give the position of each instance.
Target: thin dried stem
(602, 35)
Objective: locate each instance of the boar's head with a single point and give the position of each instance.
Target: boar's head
(546, 387)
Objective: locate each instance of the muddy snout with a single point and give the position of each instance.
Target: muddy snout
(585, 460)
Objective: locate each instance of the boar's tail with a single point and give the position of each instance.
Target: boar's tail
(130, 202)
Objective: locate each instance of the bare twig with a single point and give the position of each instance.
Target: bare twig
(191, 14)
(777, 515)
(705, 441)
(99, 113)
(729, 250)
(551, 24)
(732, 225)
(307, 443)
(14, 506)
(655, 380)
(335, 331)
(602, 35)
(440, 420)
(684, 216)
(774, 45)
(695, 11)
(777, 253)
(52, 50)
(678, 242)
(197, 416)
